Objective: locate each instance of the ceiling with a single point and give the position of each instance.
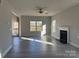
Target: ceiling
(27, 7)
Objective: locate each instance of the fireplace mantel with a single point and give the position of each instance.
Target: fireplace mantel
(64, 28)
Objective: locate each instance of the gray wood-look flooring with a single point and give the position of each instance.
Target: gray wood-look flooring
(39, 49)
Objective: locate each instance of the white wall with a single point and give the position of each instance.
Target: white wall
(70, 18)
(5, 27)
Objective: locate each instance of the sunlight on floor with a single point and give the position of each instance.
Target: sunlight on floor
(25, 38)
(40, 41)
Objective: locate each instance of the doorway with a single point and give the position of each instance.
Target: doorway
(15, 25)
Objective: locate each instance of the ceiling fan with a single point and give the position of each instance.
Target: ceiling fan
(41, 10)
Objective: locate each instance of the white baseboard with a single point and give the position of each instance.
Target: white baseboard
(75, 45)
(6, 51)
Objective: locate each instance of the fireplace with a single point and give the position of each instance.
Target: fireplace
(64, 35)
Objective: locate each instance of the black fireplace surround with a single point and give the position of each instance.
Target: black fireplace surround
(63, 36)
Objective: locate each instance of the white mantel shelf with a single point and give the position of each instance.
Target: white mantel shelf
(64, 28)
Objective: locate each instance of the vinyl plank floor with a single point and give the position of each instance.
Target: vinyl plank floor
(35, 48)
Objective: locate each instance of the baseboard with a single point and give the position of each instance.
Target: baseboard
(6, 51)
(75, 45)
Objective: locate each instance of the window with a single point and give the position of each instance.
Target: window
(35, 25)
(43, 32)
(54, 25)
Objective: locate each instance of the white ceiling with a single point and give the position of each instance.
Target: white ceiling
(27, 7)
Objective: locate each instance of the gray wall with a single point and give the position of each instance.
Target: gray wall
(5, 27)
(70, 18)
(25, 25)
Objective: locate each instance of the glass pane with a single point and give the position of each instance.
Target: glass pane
(39, 28)
(32, 23)
(33, 29)
(39, 23)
